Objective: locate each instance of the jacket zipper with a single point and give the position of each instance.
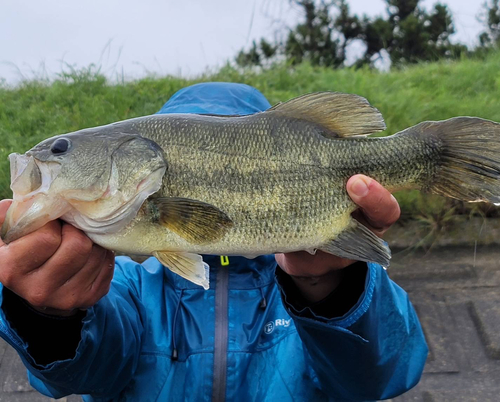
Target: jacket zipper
(221, 334)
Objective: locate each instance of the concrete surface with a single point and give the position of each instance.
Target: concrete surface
(456, 291)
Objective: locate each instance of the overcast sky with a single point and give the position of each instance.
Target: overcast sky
(156, 36)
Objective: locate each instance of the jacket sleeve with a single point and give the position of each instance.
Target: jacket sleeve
(376, 350)
(107, 353)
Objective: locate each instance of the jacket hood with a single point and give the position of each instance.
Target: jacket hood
(222, 98)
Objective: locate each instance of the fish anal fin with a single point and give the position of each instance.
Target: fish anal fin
(312, 251)
(189, 266)
(343, 115)
(359, 243)
(251, 256)
(193, 220)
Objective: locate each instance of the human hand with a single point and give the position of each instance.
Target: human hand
(317, 275)
(57, 269)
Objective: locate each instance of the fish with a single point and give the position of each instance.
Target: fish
(175, 186)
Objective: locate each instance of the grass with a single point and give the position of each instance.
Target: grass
(37, 109)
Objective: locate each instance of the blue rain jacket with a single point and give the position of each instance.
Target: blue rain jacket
(158, 337)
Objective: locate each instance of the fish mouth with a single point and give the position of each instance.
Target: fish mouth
(27, 215)
(33, 206)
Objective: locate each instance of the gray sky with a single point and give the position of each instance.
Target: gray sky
(156, 36)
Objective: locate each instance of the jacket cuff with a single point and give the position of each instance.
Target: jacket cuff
(45, 338)
(343, 307)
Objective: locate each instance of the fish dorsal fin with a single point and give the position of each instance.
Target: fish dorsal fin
(343, 115)
(195, 221)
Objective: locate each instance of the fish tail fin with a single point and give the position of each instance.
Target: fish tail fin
(466, 158)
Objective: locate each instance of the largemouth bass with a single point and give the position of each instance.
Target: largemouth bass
(179, 185)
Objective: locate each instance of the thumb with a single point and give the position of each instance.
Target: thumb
(4, 206)
(378, 206)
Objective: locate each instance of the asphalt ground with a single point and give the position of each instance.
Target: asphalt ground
(456, 292)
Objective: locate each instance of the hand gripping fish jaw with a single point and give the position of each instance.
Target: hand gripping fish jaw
(33, 205)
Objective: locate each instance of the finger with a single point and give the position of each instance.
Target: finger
(29, 252)
(102, 283)
(92, 269)
(89, 284)
(77, 293)
(43, 291)
(4, 206)
(378, 206)
(38, 280)
(73, 253)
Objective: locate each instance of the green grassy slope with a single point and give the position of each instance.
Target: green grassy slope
(35, 110)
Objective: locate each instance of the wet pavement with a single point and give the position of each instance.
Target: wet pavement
(456, 292)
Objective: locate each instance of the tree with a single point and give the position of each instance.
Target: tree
(257, 54)
(313, 39)
(320, 38)
(491, 18)
(409, 34)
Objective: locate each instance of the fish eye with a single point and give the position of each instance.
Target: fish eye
(60, 146)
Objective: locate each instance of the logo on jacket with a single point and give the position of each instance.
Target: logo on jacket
(280, 322)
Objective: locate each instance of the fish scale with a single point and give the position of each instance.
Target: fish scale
(282, 182)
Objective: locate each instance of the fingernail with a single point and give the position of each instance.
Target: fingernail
(360, 187)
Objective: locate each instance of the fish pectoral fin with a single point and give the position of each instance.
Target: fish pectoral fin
(193, 220)
(343, 115)
(359, 243)
(189, 266)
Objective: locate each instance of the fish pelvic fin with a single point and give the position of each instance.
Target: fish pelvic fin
(187, 265)
(342, 115)
(467, 154)
(359, 243)
(193, 220)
